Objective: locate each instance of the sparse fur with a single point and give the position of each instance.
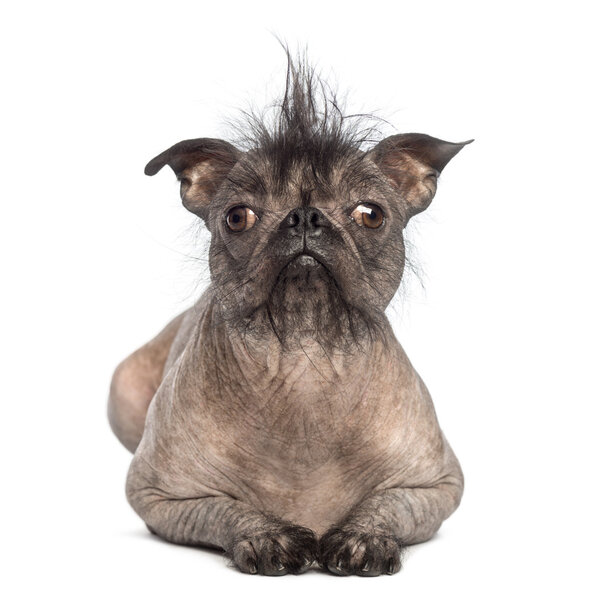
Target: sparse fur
(283, 421)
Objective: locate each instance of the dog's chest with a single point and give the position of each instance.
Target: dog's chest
(300, 438)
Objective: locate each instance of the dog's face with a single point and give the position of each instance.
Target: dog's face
(312, 239)
(306, 226)
(335, 240)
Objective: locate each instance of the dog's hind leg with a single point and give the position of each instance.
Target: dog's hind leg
(134, 384)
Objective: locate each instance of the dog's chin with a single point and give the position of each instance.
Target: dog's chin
(303, 281)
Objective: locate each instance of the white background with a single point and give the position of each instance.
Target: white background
(96, 258)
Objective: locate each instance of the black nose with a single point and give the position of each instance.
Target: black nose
(308, 219)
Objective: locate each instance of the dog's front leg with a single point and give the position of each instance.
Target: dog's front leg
(256, 542)
(369, 539)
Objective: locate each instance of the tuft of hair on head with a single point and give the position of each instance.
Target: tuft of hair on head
(307, 124)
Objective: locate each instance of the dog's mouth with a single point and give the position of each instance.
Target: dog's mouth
(301, 263)
(304, 260)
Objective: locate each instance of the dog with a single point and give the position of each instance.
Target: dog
(279, 419)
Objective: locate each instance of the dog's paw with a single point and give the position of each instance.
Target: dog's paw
(279, 550)
(350, 552)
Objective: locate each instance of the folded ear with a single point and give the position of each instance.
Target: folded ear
(201, 165)
(412, 163)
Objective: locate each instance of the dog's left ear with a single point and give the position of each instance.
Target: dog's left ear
(412, 162)
(201, 165)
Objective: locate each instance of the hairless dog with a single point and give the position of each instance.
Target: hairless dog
(279, 419)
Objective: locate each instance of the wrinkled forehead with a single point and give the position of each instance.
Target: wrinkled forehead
(259, 180)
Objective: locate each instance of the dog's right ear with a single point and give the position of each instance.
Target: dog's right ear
(201, 165)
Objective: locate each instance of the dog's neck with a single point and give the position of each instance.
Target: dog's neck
(333, 337)
(299, 392)
(310, 318)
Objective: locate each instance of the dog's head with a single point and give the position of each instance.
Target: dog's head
(307, 227)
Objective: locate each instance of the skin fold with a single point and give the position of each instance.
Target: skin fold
(279, 418)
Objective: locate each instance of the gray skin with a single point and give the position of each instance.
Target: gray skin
(279, 418)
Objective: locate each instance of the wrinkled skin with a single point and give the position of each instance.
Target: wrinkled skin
(279, 419)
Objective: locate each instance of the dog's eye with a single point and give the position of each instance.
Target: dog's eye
(241, 218)
(368, 215)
